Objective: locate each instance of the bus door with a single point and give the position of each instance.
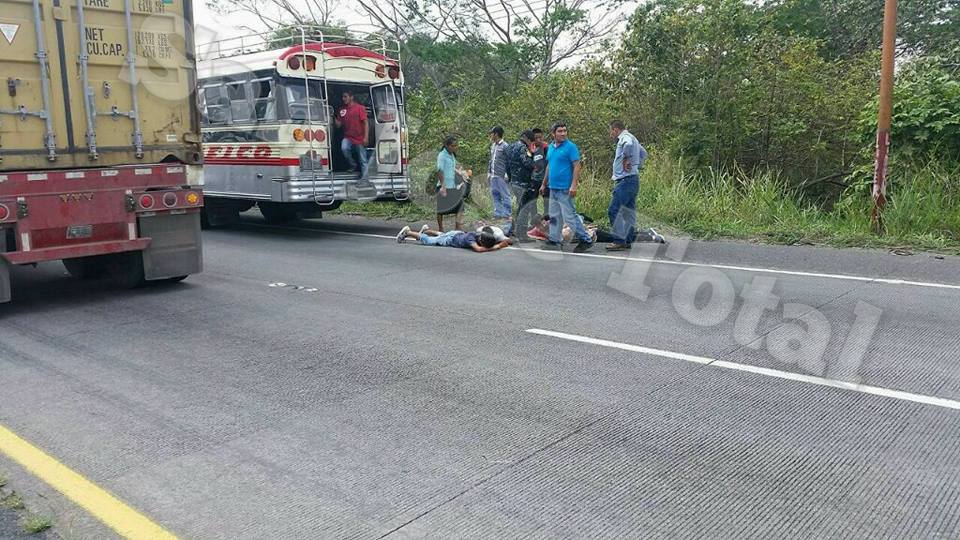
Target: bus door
(387, 128)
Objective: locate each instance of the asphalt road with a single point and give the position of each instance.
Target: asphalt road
(315, 384)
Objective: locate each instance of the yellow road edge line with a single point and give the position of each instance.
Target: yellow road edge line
(113, 512)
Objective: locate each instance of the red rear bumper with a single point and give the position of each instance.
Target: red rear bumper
(74, 251)
(55, 215)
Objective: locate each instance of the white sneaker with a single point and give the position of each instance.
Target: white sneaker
(424, 229)
(657, 237)
(402, 235)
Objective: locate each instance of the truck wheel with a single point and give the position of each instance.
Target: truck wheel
(276, 214)
(126, 269)
(85, 267)
(205, 219)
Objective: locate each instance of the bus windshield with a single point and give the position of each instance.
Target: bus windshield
(296, 91)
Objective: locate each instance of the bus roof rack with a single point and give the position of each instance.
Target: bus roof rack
(307, 36)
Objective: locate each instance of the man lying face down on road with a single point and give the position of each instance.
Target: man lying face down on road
(482, 241)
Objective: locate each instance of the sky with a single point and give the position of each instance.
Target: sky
(211, 26)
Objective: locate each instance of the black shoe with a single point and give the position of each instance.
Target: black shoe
(583, 247)
(551, 246)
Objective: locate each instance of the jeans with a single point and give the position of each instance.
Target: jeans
(443, 240)
(353, 152)
(502, 204)
(623, 209)
(526, 209)
(563, 211)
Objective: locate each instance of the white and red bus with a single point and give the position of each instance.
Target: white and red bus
(269, 135)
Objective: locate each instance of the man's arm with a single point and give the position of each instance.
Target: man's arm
(626, 151)
(499, 245)
(576, 178)
(366, 128)
(546, 176)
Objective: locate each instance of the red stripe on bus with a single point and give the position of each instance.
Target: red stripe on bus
(277, 161)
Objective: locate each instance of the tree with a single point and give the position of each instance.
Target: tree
(274, 14)
(849, 28)
(536, 34)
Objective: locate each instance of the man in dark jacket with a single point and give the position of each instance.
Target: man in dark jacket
(520, 163)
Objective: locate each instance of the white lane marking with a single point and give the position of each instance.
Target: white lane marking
(767, 372)
(800, 273)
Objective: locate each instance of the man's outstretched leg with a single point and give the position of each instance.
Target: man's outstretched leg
(407, 234)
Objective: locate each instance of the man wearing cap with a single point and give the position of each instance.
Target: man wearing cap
(497, 172)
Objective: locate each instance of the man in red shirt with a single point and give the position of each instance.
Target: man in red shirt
(352, 119)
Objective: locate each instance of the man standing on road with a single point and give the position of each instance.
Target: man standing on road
(562, 178)
(627, 163)
(520, 158)
(540, 166)
(352, 119)
(497, 172)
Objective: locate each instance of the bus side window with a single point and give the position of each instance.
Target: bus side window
(240, 107)
(216, 105)
(264, 99)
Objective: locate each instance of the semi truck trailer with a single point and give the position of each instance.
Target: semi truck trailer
(100, 156)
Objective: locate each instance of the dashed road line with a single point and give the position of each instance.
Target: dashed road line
(126, 521)
(799, 273)
(766, 372)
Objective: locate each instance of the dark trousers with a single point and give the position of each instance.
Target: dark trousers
(525, 210)
(623, 209)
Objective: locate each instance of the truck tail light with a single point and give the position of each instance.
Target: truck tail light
(299, 135)
(394, 72)
(146, 201)
(192, 198)
(319, 135)
(170, 199)
(4, 212)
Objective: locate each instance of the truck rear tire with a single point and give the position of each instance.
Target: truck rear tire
(126, 269)
(85, 267)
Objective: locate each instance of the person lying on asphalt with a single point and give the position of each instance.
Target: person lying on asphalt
(481, 242)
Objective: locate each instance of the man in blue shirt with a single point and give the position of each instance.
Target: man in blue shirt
(562, 178)
(483, 241)
(627, 163)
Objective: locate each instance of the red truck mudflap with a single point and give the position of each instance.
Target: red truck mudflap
(73, 214)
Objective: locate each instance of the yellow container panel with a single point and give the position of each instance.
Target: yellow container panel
(162, 49)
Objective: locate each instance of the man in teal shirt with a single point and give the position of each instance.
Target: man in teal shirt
(562, 178)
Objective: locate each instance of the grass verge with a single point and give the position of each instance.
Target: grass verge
(35, 523)
(30, 522)
(923, 212)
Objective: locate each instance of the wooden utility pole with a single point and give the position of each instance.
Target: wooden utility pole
(883, 117)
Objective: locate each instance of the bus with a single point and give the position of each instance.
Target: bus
(269, 136)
